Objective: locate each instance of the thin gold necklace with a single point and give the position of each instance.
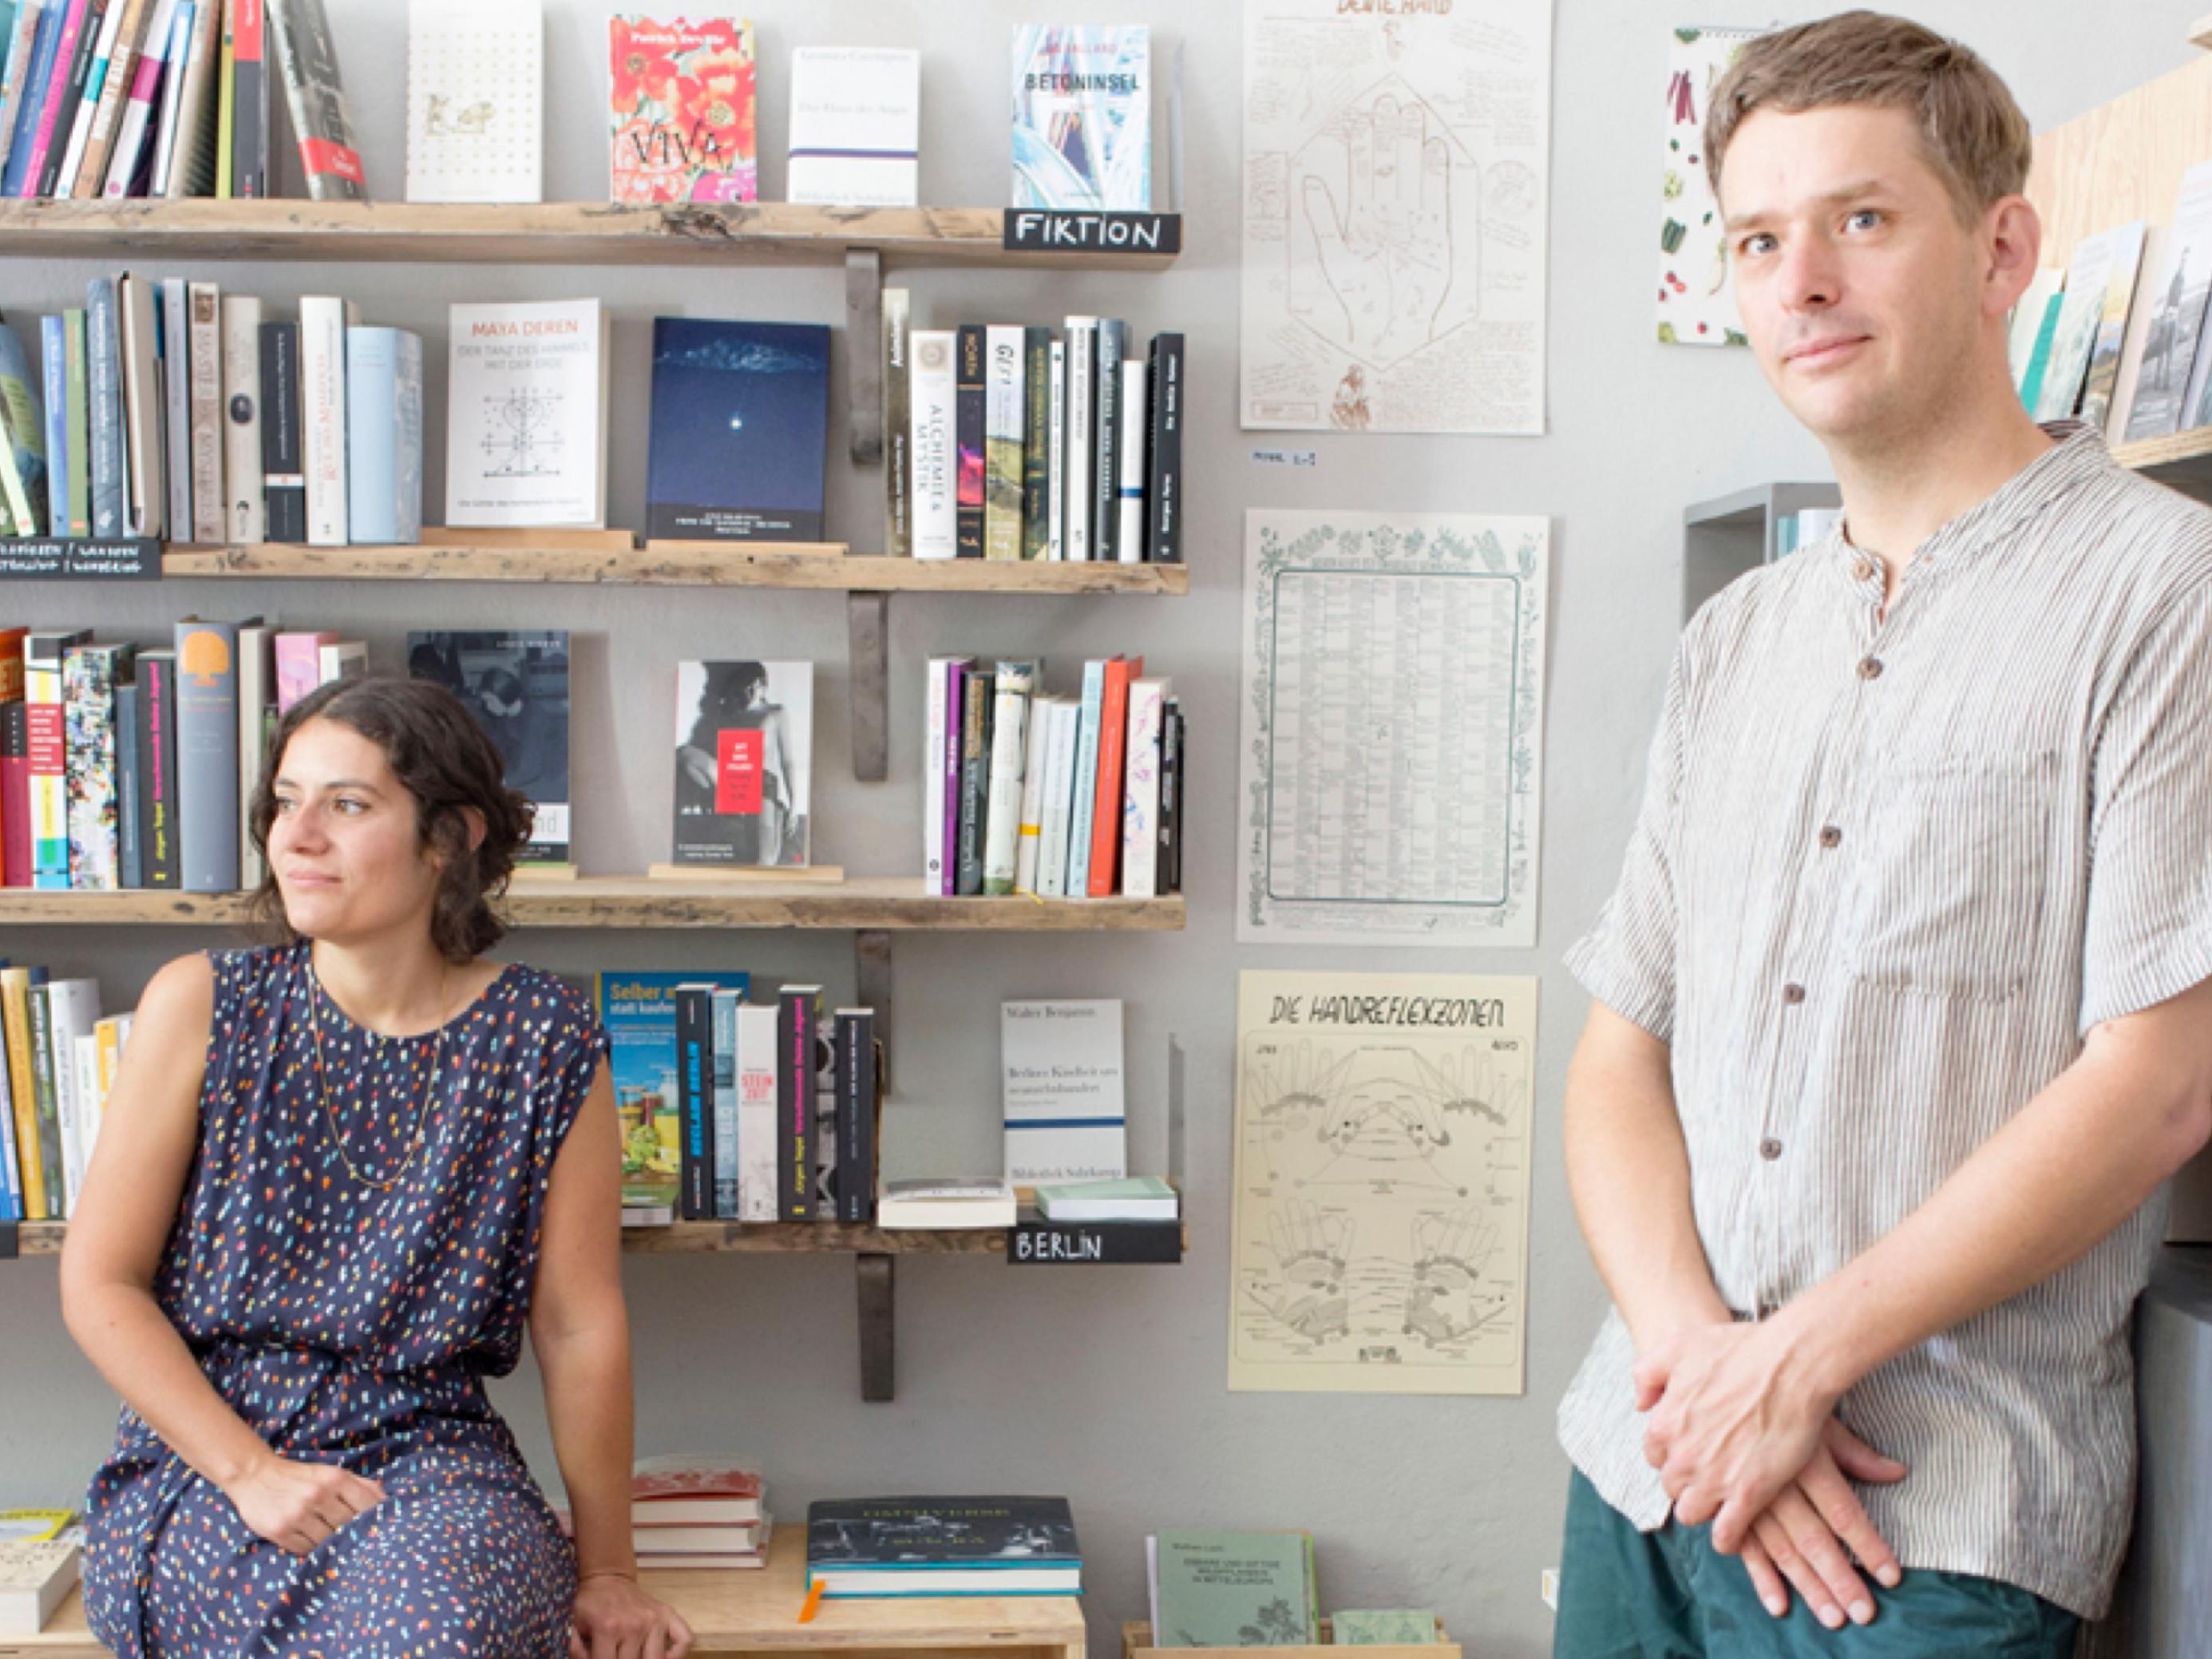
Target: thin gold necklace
(322, 1086)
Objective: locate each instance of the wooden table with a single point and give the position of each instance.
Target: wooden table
(757, 1612)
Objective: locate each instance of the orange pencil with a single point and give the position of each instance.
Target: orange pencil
(813, 1601)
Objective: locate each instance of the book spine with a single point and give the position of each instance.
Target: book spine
(1084, 796)
(1182, 804)
(407, 411)
(11, 1174)
(1009, 743)
(949, 770)
(241, 418)
(1031, 831)
(1036, 400)
(1059, 779)
(22, 1088)
(52, 1168)
(45, 45)
(226, 95)
(1082, 383)
(797, 1016)
(129, 775)
(322, 416)
(1056, 510)
(184, 157)
(257, 690)
(1171, 802)
(249, 122)
(1106, 444)
(22, 45)
(856, 1115)
(372, 437)
(1003, 458)
(47, 752)
(17, 863)
(1163, 454)
(898, 416)
(694, 1016)
(145, 503)
(317, 100)
(932, 788)
(94, 88)
(134, 130)
(88, 676)
(934, 450)
(1100, 877)
(104, 369)
(177, 398)
(1141, 792)
(975, 779)
(80, 423)
(207, 756)
(53, 344)
(205, 301)
(120, 74)
(1130, 533)
(722, 1091)
(969, 426)
(283, 475)
(64, 80)
(759, 1050)
(157, 753)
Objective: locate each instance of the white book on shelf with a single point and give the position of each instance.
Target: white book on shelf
(476, 121)
(72, 1011)
(931, 444)
(756, 1126)
(1129, 539)
(1032, 826)
(526, 414)
(935, 711)
(1059, 798)
(1011, 688)
(241, 418)
(1061, 1088)
(1055, 450)
(206, 524)
(1140, 788)
(323, 323)
(856, 127)
(176, 399)
(1082, 342)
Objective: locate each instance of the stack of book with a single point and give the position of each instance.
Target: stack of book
(692, 1511)
(1060, 796)
(35, 1574)
(1013, 443)
(915, 1547)
(737, 1110)
(127, 769)
(172, 410)
(169, 98)
(60, 1062)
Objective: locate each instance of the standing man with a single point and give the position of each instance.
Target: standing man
(1904, 1002)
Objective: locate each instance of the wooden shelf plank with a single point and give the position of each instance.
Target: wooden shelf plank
(708, 1237)
(859, 903)
(2182, 461)
(827, 566)
(551, 233)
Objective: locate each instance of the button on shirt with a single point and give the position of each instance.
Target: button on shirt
(1889, 872)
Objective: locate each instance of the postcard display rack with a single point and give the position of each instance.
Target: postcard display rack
(864, 242)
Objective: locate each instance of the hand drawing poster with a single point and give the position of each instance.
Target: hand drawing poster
(1396, 178)
(1380, 1238)
(1697, 302)
(1390, 766)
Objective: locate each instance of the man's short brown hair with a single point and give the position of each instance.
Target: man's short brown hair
(1975, 136)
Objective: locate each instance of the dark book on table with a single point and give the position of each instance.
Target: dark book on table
(797, 1029)
(1163, 451)
(517, 686)
(740, 431)
(908, 1533)
(970, 411)
(283, 465)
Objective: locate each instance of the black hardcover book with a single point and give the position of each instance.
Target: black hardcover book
(694, 1117)
(1106, 442)
(1182, 807)
(283, 466)
(1036, 440)
(1035, 1242)
(160, 853)
(856, 1115)
(1171, 802)
(130, 863)
(924, 1532)
(798, 1016)
(1164, 451)
(967, 429)
(979, 690)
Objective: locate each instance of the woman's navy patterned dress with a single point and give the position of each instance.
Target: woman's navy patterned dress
(354, 1326)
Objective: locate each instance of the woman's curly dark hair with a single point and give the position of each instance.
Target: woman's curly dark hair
(443, 757)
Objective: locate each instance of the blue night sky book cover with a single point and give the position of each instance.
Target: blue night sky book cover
(740, 428)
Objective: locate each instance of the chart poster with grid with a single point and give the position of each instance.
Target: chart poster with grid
(1390, 770)
(1381, 1229)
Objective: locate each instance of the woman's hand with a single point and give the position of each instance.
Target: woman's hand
(297, 1505)
(615, 1619)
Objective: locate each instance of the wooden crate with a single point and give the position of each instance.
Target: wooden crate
(1137, 1644)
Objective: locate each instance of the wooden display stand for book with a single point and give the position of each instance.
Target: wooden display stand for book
(746, 873)
(755, 1611)
(1137, 1644)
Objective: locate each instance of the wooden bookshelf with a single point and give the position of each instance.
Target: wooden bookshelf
(2182, 462)
(825, 567)
(706, 1238)
(530, 233)
(865, 904)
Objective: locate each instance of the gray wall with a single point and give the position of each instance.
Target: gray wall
(1105, 1386)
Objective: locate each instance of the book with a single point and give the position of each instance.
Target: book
(687, 1489)
(167, 36)
(243, 518)
(1004, 377)
(856, 1097)
(21, 34)
(1233, 1589)
(1381, 1627)
(743, 763)
(316, 99)
(898, 415)
(1171, 799)
(950, 766)
(740, 430)
(256, 697)
(35, 74)
(63, 81)
(145, 501)
(207, 754)
(2163, 404)
(2130, 250)
(22, 435)
(73, 125)
(53, 365)
(46, 1091)
(1012, 684)
(681, 109)
(758, 1068)
(695, 1102)
(1060, 1082)
(383, 435)
(1063, 717)
(937, 1205)
(80, 421)
(125, 24)
(937, 709)
(476, 123)
(1129, 463)
(184, 143)
(1164, 451)
(15, 985)
(176, 355)
(798, 1030)
(284, 457)
(1055, 453)
(1037, 399)
(1140, 1198)
(932, 394)
(299, 666)
(203, 303)
(1140, 788)
(970, 425)
(248, 78)
(34, 1525)
(35, 1576)
(323, 323)
(2089, 274)
(526, 414)
(1030, 831)
(638, 1010)
(710, 1538)
(855, 127)
(516, 683)
(72, 1009)
(1082, 117)
(1102, 873)
(90, 674)
(226, 95)
(161, 851)
(1083, 798)
(104, 411)
(979, 1546)
(1106, 441)
(1076, 482)
(16, 865)
(2119, 399)
(978, 709)
(45, 703)
(11, 1176)
(722, 1099)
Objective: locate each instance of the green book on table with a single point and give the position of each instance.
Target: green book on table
(1234, 1589)
(1383, 1627)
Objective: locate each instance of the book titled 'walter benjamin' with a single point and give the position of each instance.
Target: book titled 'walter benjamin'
(740, 431)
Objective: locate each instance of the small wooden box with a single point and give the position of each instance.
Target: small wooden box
(1137, 1644)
